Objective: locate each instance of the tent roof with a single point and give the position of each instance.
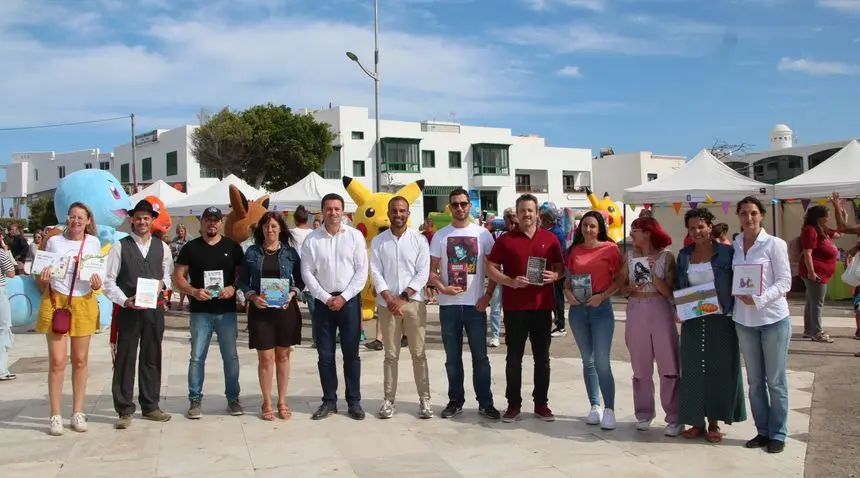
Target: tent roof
(167, 193)
(309, 191)
(217, 195)
(703, 175)
(839, 173)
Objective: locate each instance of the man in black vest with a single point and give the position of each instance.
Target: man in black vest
(138, 256)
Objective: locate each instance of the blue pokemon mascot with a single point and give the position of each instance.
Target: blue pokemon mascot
(105, 196)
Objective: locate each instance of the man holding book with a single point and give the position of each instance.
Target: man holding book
(138, 268)
(457, 271)
(399, 268)
(207, 271)
(532, 261)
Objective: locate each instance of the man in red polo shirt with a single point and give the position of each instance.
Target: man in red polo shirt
(528, 302)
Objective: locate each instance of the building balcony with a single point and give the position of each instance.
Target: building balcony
(532, 188)
(574, 188)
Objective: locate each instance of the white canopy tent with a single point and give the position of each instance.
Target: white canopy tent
(167, 193)
(308, 192)
(217, 195)
(702, 176)
(839, 173)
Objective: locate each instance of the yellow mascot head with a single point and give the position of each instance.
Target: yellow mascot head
(371, 218)
(611, 211)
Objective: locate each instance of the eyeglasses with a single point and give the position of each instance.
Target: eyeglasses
(461, 205)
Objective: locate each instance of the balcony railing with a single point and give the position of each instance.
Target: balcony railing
(532, 188)
(331, 173)
(573, 188)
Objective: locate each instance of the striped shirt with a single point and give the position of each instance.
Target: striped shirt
(6, 266)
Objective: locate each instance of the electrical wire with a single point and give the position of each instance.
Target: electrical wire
(59, 125)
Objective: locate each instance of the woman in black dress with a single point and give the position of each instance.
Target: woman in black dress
(271, 278)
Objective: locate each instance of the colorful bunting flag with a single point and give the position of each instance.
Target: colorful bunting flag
(821, 201)
(805, 204)
(693, 204)
(632, 207)
(726, 205)
(708, 199)
(646, 205)
(677, 207)
(857, 203)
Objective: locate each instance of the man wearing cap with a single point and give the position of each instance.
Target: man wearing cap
(211, 263)
(138, 256)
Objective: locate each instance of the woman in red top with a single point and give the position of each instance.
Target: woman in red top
(593, 263)
(817, 266)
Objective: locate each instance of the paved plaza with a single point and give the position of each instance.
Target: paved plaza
(467, 446)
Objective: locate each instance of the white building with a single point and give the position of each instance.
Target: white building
(30, 174)
(496, 164)
(614, 173)
(783, 160)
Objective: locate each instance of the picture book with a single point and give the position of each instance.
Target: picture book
(276, 292)
(581, 285)
(147, 292)
(535, 269)
(213, 282)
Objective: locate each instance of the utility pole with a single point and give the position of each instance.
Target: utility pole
(133, 157)
(376, 93)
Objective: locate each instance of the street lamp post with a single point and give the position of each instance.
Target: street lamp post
(375, 77)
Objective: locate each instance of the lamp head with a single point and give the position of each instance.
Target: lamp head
(352, 56)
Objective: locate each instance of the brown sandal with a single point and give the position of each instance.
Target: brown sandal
(268, 414)
(714, 435)
(693, 432)
(284, 411)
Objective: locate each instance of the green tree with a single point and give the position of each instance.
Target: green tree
(266, 145)
(42, 213)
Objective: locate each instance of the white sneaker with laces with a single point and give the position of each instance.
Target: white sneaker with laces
(593, 416)
(78, 423)
(643, 425)
(608, 421)
(559, 333)
(56, 426)
(673, 429)
(386, 410)
(494, 342)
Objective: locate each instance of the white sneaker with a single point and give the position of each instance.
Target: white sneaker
(643, 425)
(56, 426)
(386, 410)
(494, 342)
(673, 429)
(593, 416)
(608, 421)
(559, 333)
(78, 423)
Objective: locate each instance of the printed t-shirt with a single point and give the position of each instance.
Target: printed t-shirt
(461, 252)
(602, 262)
(512, 252)
(824, 253)
(225, 255)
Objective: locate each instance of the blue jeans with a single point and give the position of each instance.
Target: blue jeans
(496, 312)
(454, 319)
(593, 328)
(765, 351)
(202, 326)
(327, 323)
(311, 303)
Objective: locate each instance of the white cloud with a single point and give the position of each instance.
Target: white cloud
(842, 5)
(541, 5)
(570, 71)
(817, 68)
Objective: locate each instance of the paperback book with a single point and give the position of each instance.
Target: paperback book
(213, 282)
(92, 264)
(146, 295)
(535, 269)
(581, 285)
(276, 292)
(58, 263)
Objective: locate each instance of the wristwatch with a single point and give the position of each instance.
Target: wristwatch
(404, 295)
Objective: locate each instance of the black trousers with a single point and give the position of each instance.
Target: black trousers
(143, 328)
(533, 325)
(558, 295)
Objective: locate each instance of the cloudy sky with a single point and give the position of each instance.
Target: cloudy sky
(661, 75)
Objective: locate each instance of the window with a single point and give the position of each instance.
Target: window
(428, 159)
(210, 172)
(146, 169)
(523, 183)
(61, 172)
(817, 158)
(104, 165)
(575, 182)
(35, 175)
(171, 168)
(358, 169)
(331, 166)
(739, 166)
(358, 135)
(455, 160)
(88, 165)
(490, 159)
(652, 176)
(400, 155)
(123, 173)
(777, 169)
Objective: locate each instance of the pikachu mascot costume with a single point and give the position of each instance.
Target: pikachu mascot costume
(371, 218)
(611, 211)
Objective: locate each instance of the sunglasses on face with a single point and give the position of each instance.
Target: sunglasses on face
(461, 205)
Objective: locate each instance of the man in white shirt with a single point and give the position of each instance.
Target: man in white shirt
(138, 256)
(334, 267)
(399, 268)
(457, 267)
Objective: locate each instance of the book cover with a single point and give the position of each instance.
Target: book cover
(696, 301)
(92, 264)
(58, 263)
(275, 291)
(146, 295)
(535, 268)
(746, 279)
(581, 285)
(213, 282)
(641, 270)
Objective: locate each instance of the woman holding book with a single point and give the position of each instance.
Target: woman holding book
(270, 279)
(762, 322)
(593, 264)
(711, 386)
(647, 278)
(64, 294)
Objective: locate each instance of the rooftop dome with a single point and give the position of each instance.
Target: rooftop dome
(780, 128)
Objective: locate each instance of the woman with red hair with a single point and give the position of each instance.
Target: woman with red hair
(648, 276)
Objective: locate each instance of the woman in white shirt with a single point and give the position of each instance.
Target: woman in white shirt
(763, 326)
(79, 238)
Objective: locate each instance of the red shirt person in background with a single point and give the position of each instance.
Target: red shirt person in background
(527, 301)
(817, 266)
